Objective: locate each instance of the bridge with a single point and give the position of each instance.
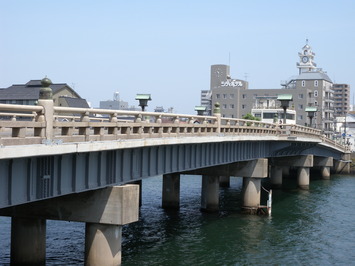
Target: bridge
(86, 165)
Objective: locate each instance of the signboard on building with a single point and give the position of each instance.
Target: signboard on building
(231, 83)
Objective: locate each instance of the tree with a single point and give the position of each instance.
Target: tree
(249, 116)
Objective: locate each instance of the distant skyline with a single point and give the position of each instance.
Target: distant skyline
(166, 48)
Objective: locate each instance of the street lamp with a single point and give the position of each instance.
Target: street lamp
(311, 110)
(285, 102)
(143, 100)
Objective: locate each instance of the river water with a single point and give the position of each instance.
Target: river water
(315, 227)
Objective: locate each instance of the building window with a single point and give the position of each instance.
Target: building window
(224, 106)
(300, 96)
(231, 96)
(300, 107)
(218, 96)
(303, 83)
(244, 96)
(243, 106)
(315, 93)
(299, 117)
(231, 106)
(315, 103)
(224, 96)
(316, 83)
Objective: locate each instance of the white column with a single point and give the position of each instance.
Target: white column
(303, 177)
(251, 194)
(325, 172)
(103, 244)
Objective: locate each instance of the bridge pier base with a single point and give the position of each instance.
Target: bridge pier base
(303, 177)
(171, 191)
(224, 181)
(210, 193)
(103, 244)
(28, 241)
(251, 195)
(325, 171)
(276, 176)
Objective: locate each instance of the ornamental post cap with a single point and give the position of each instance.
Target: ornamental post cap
(46, 82)
(45, 93)
(217, 110)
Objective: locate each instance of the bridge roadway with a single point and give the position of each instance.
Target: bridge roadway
(81, 165)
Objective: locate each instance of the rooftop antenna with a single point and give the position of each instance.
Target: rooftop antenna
(229, 58)
(306, 40)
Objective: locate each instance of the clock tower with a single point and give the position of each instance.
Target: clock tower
(306, 63)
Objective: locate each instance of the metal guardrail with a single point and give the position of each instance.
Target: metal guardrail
(25, 125)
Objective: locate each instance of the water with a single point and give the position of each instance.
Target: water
(315, 227)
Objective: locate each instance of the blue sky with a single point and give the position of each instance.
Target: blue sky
(166, 48)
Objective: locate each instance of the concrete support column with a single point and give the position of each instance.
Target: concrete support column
(285, 171)
(139, 183)
(224, 181)
(171, 191)
(28, 241)
(210, 193)
(251, 194)
(103, 244)
(276, 176)
(303, 177)
(325, 171)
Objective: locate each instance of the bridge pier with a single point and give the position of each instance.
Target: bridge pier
(224, 181)
(210, 193)
(102, 244)
(325, 172)
(301, 162)
(251, 194)
(28, 241)
(324, 163)
(104, 211)
(252, 173)
(276, 176)
(171, 191)
(342, 166)
(303, 177)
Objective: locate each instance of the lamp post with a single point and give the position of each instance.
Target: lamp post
(143, 100)
(344, 128)
(310, 113)
(200, 110)
(285, 103)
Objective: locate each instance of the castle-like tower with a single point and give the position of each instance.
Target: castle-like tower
(306, 63)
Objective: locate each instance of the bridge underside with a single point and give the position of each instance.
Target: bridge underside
(34, 178)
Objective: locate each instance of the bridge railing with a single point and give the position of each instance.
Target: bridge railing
(24, 124)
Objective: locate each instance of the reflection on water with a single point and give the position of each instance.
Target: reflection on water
(315, 227)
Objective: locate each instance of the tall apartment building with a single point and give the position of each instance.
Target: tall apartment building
(341, 99)
(311, 87)
(226, 90)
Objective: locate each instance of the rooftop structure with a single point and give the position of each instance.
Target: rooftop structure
(29, 93)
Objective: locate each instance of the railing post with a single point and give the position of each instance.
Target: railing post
(217, 114)
(46, 100)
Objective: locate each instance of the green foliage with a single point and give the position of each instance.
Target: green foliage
(249, 116)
